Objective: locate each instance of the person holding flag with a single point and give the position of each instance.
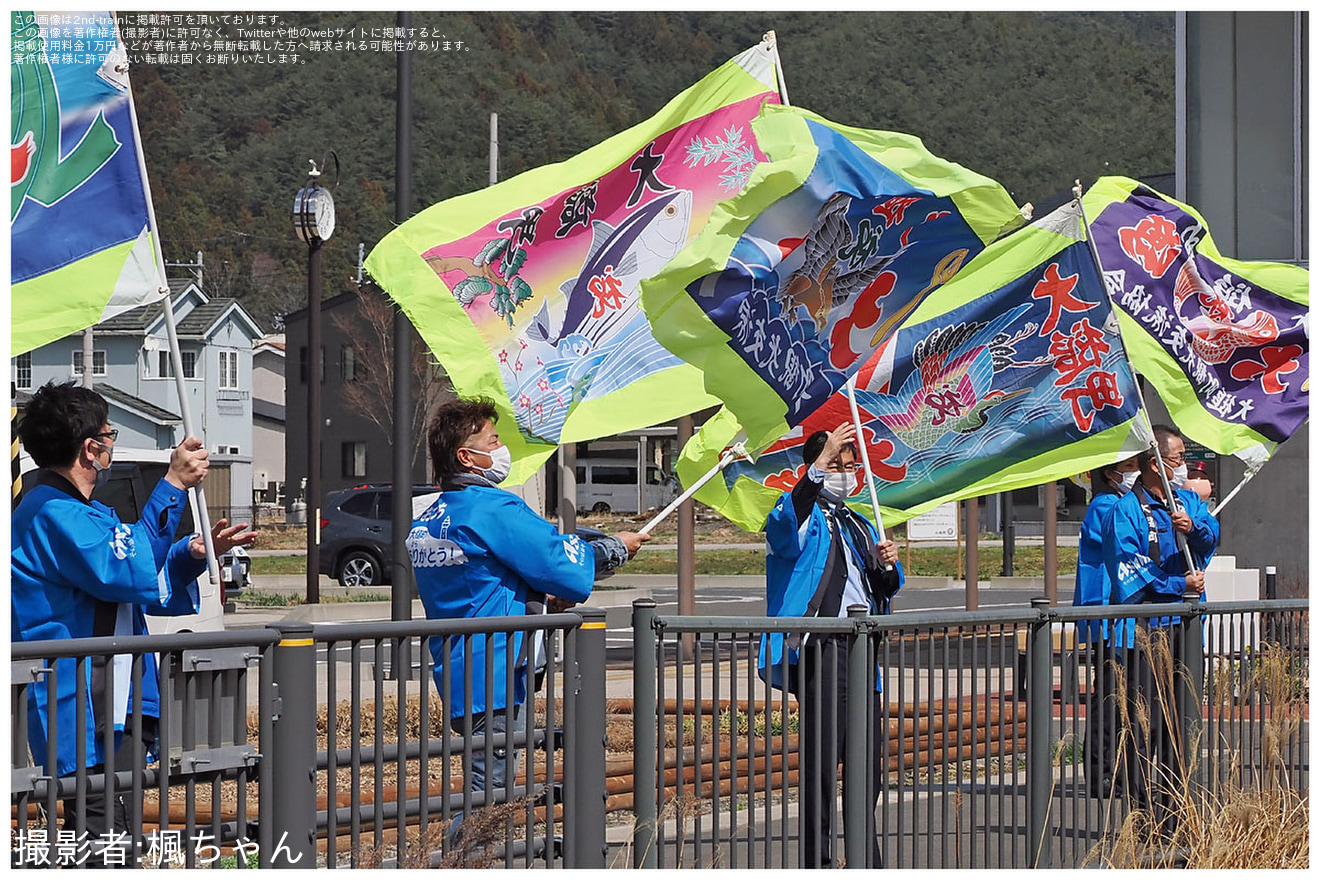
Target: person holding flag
(479, 551)
(1147, 564)
(1108, 485)
(78, 572)
(822, 557)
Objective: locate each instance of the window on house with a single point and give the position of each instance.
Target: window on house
(348, 365)
(229, 369)
(302, 365)
(354, 459)
(98, 363)
(166, 364)
(23, 370)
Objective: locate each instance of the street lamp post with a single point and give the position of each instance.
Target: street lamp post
(314, 221)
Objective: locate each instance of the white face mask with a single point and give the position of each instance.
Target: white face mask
(103, 470)
(501, 462)
(1178, 477)
(1126, 482)
(840, 484)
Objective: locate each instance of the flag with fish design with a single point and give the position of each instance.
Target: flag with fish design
(796, 281)
(526, 291)
(1225, 343)
(1010, 375)
(80, 232)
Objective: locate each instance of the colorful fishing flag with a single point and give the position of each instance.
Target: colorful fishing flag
(1010, 375)
(79, 224)
(1225, 343)
(526, 291)
(797, 280)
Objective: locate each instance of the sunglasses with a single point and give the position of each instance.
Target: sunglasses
(113, 434)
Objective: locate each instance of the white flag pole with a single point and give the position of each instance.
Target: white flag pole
(769, 37)
(1236, 489)
(866, 458)
(172, 333)
(1171, 497)
(735, 451)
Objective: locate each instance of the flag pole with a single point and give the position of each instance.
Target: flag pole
(769, 37)
(1236, 489)
(737, 450)
(866, 459)
(1174, 502)
(171, 332)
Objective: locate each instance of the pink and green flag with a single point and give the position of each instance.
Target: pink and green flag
(526, 292)
(797, 280)
(1010, 375)
(80, 230)
(1225, 343)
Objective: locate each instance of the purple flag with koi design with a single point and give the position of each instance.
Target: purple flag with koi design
(1225, 342)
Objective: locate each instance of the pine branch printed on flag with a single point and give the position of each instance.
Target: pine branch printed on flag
(1225, 343)
(526, 292)
(1010, 375)
(80, 230)
(798, 279)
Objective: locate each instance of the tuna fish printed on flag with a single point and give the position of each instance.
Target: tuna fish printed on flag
(526, 291)
(797, 280)
(1010, 375)
(1225, 343)
(80, 231)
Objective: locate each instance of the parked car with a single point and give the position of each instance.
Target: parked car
(356, 532)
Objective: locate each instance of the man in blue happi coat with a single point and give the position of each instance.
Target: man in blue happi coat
(1108, 484)
(1147, 566)
(821, 558)
(77, 571)
(479, 551)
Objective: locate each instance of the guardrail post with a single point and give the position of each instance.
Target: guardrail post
(293, 748)
(1040, 702)
(588, 767)
(1190, 687)
(856, 848)
(644, 841)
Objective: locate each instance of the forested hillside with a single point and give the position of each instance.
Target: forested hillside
(1032, 99)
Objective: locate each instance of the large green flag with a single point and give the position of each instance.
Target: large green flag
(798, 279)
(1010, 375)
(80, 230)
(1224, 342)
(526, 292)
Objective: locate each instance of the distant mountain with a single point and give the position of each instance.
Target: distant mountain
(1031, 99)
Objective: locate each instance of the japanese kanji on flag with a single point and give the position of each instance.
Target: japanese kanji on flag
(1010, 375)
(1225, 343)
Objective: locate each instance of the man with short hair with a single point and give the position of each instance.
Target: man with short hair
(479, 551)
(77, 571)
(1147, 566)
(821, 558)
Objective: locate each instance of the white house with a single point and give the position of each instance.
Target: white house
(131, 368)
(268, 419)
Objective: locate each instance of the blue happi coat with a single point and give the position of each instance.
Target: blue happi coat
(78, 571)
(1137, 576)
(1093, 586)
(796, 554)
(480, 551)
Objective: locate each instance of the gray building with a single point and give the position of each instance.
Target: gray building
(1242, 145)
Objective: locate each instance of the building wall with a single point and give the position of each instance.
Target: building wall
(1242, 151)
(340, 424)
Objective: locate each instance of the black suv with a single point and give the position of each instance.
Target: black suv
(356, 532)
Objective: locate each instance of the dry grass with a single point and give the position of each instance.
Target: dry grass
(1235, 822)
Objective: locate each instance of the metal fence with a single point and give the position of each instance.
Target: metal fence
(332, 744)
(978, 746)
(280, 748)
